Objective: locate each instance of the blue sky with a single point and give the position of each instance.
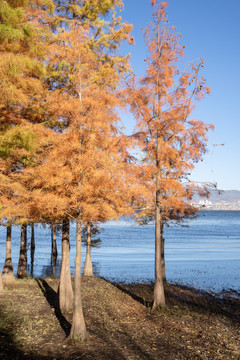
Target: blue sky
(210, 30)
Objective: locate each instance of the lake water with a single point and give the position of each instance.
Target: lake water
(204, 253)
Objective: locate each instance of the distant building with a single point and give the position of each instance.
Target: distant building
(205, 203)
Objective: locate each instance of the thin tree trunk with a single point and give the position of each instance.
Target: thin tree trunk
(158, 295)
(88, 269)
(7, 274)
(78, 325)
(54, 263)
(32, 248)
(163, 255)
(22, 264)
(54, 249)
(54, 242)
(65, 290)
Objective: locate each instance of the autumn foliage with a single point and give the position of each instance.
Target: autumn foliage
(63, 153)
(172, 142)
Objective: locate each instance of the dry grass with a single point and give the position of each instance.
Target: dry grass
(119, 323)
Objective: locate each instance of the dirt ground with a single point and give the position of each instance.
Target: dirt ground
(195, 325)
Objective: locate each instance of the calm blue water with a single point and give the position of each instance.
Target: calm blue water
(204, 253)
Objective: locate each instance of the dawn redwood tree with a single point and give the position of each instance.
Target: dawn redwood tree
(83, 179)
(81, 174)
(23, 31)
(88, 112)
(22, 70)
(88, 269)
(78, 323)
(7, 273)
(22, 263)
(65, 290)
(170, 141)
(89, 230)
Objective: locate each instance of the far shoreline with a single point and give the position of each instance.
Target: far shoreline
(218, 209)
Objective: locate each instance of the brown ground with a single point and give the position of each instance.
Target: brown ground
(119, 323)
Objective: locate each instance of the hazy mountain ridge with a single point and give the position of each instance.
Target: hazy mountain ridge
(221, 195)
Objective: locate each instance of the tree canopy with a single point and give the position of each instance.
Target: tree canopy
(63, 153)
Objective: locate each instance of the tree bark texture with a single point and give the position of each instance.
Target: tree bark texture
(78, 328)
(65, 290)
(22, 263)
(7, 274)
(32, 248)
(158, 295)
(88, 269)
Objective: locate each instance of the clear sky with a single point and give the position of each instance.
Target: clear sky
(210, 30)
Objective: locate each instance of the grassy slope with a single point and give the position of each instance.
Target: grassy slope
(119, 323)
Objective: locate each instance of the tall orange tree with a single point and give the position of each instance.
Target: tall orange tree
(80, 175)
(23, 32)
(84, 177)
(171, 141)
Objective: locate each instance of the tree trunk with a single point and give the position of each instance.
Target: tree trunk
(163, 255)
(54, 249)
(7, 274)
(32, 248)
(78, 325)
(65, 290)
(22, 264)
(54, 263)
(158, 295)
(88, 269)
(54, 242)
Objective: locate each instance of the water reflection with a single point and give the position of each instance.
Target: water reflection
(52, 269)
(96, 268)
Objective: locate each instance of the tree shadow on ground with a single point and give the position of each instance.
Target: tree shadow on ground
(51, 297)
(118, 327)
(115, 346)
(10, 349)
(197, 300)
(128, 341)
(135, 297)
(202, 301)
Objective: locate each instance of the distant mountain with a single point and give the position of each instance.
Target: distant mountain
(222, 195)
